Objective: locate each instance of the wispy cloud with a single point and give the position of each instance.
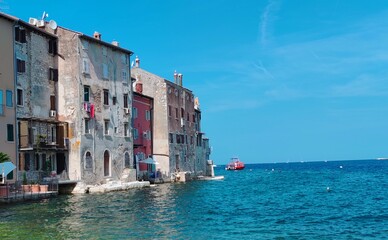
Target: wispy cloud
(264, 21)
(3, 6)
(261, 67)
(363, 86)
(229, 104)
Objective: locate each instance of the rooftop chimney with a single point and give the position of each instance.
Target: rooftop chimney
(138, 85)
(175, 77)
(97, 35)
(115, 43)
(137, 62)
(180, 76)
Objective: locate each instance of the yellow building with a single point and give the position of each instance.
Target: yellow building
(7, 91)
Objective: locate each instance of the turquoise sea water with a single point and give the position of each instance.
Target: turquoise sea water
(264, 201)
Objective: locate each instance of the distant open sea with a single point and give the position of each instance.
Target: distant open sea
(263, 201)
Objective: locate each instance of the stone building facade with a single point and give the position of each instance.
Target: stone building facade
(174, 126)
(96, 99)
(37, 134)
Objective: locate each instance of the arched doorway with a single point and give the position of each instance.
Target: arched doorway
(88, 160)
(106, 163)
(127, 163)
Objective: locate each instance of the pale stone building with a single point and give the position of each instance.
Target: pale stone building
(96, 100)
(174, 126)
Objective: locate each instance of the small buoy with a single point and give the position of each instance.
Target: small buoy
(340, 166)
(328, 189)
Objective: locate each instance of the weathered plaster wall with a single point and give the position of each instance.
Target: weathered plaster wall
(155, 87)
(76, 50)
(35, 83)
(69, 95)
(180, 99)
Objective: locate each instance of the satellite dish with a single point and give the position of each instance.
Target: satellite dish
(53, 25)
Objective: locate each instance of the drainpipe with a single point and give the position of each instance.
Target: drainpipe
(132, 123)
(15, 91)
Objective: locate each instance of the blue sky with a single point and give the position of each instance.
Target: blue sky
(277, 80)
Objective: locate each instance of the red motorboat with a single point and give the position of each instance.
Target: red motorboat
(235, 164)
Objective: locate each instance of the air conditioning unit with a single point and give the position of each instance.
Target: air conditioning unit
(182, 122)
(33, 21)
(40, 23)
(145, 135)
(53, 113)
(126, 110)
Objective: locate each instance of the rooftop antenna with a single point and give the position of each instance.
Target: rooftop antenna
(44, 15)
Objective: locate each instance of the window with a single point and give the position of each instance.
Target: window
(86, 93)
(87, 127)
(52, 102)
(88, 160)
(178, 138)
(194, 118)
(124, 59)
(124, 75)
(169, 111)
(114, 100)
(148, 115)
(182, 113)
(171, 137)
(85, 66)
(125, 100)
(9, 99)
(176, 113)
(85, 45)
(148, 135)
(37, 161)
(134, 114)
(24, 161)
(116, 130)
(106, 97)
(53, 47)
(20, 35)
(105, 71)
(191, 140)
(20, 66)
(135, 133)
(188, 117)
(106, 127)
(10, 135)
(125, 129)
(53, 74)
(19, 100)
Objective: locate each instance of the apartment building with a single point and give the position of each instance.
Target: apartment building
(174, 132)
(96, 100)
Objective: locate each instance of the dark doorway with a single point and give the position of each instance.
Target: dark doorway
(106, 163)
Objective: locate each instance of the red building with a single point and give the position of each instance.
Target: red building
(142, 128)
